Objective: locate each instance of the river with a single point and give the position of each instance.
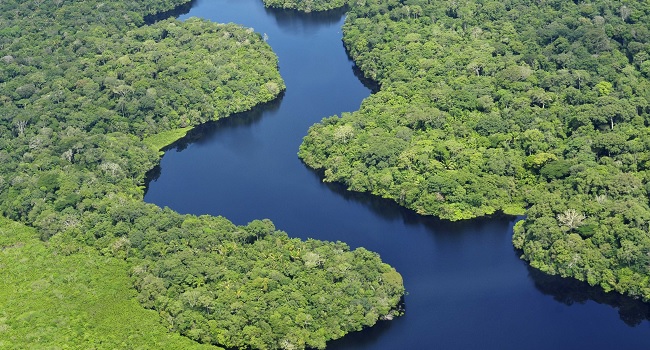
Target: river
(467, 288)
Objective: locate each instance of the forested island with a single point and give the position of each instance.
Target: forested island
(522, 107)
(89, 94)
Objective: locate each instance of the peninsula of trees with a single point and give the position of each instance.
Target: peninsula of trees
(86, 91)
(306, 5)
(526, 107)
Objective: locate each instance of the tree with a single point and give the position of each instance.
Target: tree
(570, 219)
(20, 126)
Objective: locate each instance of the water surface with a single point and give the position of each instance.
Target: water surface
(467, 288)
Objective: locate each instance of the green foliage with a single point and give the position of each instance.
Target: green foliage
(87, 98)
(604, 88)
(52, 299)
(487, 106)
(514, 209)
(556, 170)
(159, 141)
(151, 79)
(307, 5)
(273, 289)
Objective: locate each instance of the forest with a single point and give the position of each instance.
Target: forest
(306, 5)
(89, 93)
(535, 108)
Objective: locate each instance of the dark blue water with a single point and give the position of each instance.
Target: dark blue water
(467, 288)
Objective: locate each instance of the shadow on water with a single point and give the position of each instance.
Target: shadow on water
(306, 22)
(389, 210)
(295, 21)
(173, 13)
(365, 338)
(370, 84)
(368, 336)
(207, 131)
(569, 291)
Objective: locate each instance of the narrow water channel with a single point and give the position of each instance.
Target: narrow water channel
(467, 288)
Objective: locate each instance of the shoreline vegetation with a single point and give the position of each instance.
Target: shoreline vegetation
(484, 106)
(307, 5)
(161, 140)
(86, 105)
(488, 106)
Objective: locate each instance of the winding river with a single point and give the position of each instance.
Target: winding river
(467, 288)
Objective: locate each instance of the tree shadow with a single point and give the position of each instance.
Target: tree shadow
(295, 21)
(173, 13)
(390, 210)
(207, 131)
(570, 291)
(368, 336)
(370, 84)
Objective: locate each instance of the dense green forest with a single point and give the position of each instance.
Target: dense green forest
(306, 5)
(88, 93)
(48, 300)
(517, 106)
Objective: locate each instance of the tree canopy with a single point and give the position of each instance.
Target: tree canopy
(81, 300)
(307, 5)
(518, 107)
(86, 88)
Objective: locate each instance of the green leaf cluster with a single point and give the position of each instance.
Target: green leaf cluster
(81, 300)
(253, 286)
(307, 5)
(490, 106)
(137, 80)
(88, 94)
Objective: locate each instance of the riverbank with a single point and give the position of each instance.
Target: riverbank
(466, 283)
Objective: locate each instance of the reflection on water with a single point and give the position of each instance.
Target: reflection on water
(302, 22)
(390, 210)
(367, 338)
(176, 12)
(569, 291)
(212, 129)
(370, 84)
